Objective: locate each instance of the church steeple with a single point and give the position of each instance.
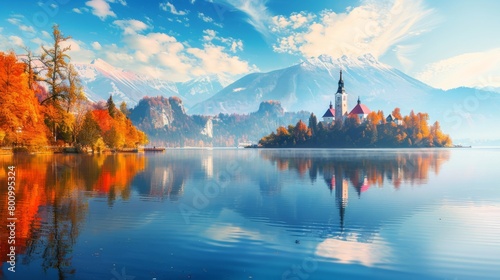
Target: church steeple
(340, 101)
(341, 84)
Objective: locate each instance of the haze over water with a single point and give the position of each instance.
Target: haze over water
(257, 214)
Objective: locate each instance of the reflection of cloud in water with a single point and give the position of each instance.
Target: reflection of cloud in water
(229, 228)
(349, 251)
(230, 233)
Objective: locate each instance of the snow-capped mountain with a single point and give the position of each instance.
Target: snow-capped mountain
(100, 80)
(312, 84)
(200, 88)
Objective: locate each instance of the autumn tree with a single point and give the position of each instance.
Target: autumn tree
(396, 113)
(300, 132)
(438, 138)
(73, 89)
(374, 118)
(20, 117)
(90, 132)
(31, 69)
(124, 109)
(372, 132)
(54, 60)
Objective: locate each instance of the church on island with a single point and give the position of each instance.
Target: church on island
(340, 112)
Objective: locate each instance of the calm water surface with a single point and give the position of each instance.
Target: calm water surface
(256, 214)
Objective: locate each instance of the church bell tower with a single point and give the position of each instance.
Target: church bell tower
(340, 100)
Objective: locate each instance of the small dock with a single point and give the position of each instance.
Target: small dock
(154, 149)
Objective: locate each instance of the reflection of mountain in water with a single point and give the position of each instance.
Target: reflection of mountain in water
(358, 171)
(165, 177)
(362, 169)
(165, 181)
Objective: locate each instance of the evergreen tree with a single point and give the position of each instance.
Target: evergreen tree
(111, 106)
(313, 124)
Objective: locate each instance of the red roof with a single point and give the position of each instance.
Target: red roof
(330, 113)
(360, 109)
(365, 186)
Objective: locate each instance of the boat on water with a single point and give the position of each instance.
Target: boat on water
(244, 144)
(154, 149)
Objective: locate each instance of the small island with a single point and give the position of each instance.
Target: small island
(360, 128)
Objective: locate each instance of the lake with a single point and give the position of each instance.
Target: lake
(255, 214)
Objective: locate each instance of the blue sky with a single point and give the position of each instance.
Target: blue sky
(443, 43)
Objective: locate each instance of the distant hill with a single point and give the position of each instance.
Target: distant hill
(166, 123)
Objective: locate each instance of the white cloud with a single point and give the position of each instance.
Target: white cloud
(46, 34)
(152, 43)
(96, 46)
(154, 50)
(258, 15)
(10, 43)
(403, 54)
(77, 10)
(16, 41)
(353, 251)
(236, 46)
(204, 17)
(131, 26)
(209, 35)
(294, 21)
(169, 7)
(233, 44)
(373, 27)
(100, 8)
(162, 56)
(208, 19)
(123, 2)
(79, 52)
(214, 60)
(39, 42)
(480, 69)
(17, 22)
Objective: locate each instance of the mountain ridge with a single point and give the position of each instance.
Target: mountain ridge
(311, 84)
(316, 80)
(307, 86)
(101, 79)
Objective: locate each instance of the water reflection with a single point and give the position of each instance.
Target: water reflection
(165, 176)
(360, 169)
(335, 202)
(52, 202)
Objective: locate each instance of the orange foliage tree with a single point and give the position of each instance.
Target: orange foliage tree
(20, 114)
